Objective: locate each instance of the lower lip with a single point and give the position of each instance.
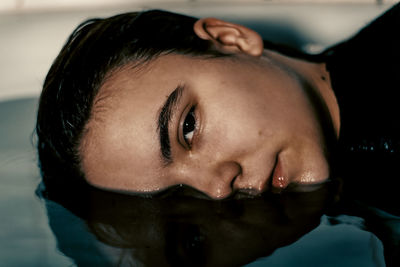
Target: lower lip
(279, 179)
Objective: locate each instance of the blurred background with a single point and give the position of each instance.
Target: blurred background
(33, 31)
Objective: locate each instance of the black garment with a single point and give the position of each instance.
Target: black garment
(365, 73)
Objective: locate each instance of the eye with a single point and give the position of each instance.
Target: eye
(189, 126)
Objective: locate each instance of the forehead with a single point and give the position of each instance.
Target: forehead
(122, 135)
(122, 147)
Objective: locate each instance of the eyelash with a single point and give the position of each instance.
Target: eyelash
(189, 126)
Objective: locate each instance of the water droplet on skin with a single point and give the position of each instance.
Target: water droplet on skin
(281, 182)
(307, 178)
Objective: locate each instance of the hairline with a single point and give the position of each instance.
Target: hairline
(106, 91)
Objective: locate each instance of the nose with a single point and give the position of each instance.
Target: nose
(216, 180)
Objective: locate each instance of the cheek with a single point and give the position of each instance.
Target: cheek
(237, 129)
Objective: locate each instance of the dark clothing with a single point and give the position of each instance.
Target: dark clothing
(365, 74)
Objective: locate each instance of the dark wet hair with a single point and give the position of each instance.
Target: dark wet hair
(93, 50)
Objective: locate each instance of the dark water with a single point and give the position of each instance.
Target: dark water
(179, 230)
(332, 225)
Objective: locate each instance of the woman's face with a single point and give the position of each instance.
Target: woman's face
(218, 125)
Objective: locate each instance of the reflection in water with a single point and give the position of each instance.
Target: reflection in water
(179, 227)
(185, 231)
(176, 229)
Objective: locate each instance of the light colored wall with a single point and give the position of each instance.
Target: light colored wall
(18, 5)
(31, 40)
(22, 5)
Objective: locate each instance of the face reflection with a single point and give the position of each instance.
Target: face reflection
(234, 123)
(184, 231)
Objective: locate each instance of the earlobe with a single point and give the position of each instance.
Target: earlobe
(229, 37)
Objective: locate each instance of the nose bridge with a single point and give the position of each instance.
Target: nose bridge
(213, 177)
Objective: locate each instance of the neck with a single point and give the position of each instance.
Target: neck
(317, 76)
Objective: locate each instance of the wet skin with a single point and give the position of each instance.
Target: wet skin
(244, 122)
(249, 115)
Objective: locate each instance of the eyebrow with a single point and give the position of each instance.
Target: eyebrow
(164, 120)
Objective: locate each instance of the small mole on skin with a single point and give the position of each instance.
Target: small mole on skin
(259, 132)
(323, 78)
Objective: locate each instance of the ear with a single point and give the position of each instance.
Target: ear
(229, 37)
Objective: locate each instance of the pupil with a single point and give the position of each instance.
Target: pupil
(189, 123)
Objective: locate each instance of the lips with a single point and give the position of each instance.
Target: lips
(280, 179)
